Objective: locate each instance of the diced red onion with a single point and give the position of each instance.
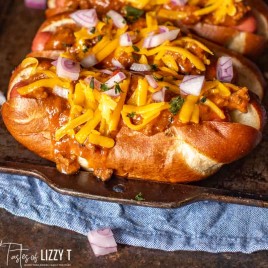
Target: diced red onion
(37, 4)
(225, 72)
(67, 68)
(2, 98)
(54, 63)
(192, 84)
(61, 92)
(158, 39)
(111, 92)
(125, 40)
(117, 63)
(102, 241)
(106, 71)
(97, 83)
(115, 79)
(139, 67)
(159, 96)
(179, 2)
(87, 18)
(117, 19)
(152, 82)
(163, 29)
(89, 61)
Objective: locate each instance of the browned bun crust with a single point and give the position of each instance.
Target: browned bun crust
(27, 121)
(180, 154)
(243, 42)
(260, 11)
(183, 154)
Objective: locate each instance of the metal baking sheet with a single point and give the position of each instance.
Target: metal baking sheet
(242, 182)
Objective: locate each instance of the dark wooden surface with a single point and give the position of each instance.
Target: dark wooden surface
(35, 236)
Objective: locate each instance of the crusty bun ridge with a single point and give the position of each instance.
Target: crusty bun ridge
(181, 153)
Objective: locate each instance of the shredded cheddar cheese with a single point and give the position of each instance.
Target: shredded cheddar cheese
(95, 114)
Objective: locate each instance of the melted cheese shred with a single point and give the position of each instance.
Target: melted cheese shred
(219, 10)
(106, 44)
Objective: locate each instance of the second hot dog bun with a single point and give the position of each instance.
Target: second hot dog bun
(248, 73)
(248, 37)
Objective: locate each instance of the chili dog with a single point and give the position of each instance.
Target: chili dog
(238, 25)
(145, 126)
(89, 44)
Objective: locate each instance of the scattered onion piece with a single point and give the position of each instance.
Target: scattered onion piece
(61, 92)
(152, 82)
(117, 63)
(225, 72)
(179, 2)
(117, 19)
(67, 68)
(158, 39)
(37, 4)
(159, 96)
(125, 40)
(106, 71)
(139, 67)
(87, 18)
(2, 98)
(115, 79)
(54, 63)
(111, 92)
(192, 84)
(102, 241)
(89, 61)
(163, 29)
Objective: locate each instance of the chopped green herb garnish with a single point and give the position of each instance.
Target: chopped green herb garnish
(107, 18)
(154, 67)
(91, 84)
(139, 197)
(66, 45)
(99, 38)
(104, 87)
(133, 13)
(203, 99)
(176, 104)
(158, 78)
(131, 115)
(93, 30)
(136, 48)
(117, 88)
(85, 48)
(135, 57)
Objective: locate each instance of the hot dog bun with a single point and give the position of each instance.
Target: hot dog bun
(248, 73)
(179, 153)
(248, 37)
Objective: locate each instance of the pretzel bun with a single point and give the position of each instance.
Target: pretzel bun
(182, 153)
(248, 38)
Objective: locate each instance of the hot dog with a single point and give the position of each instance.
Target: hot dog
(144, 125)
(88, 45)
(143, 101)
(238, 25)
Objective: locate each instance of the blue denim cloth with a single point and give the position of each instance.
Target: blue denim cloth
(202, 226)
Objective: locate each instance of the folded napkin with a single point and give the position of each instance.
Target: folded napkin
(203, 226)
